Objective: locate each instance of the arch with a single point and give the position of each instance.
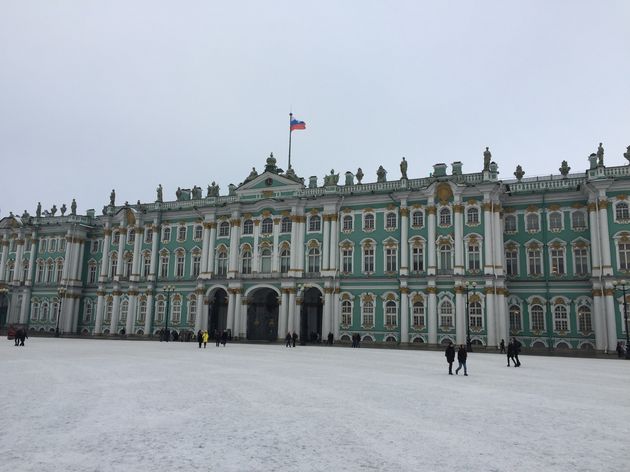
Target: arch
(390, 338)
(217, 310)
(539, 344)
(345, 338)
(586, 346)
(367, 338)
(562, 345)
(418, 340)
(262, 314)
(311, 314)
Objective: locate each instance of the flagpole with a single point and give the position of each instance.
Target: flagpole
(290, 118)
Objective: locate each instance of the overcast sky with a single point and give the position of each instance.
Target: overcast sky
(129, 94)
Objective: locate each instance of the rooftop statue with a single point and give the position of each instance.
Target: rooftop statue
(359, 175)
(600, 155)
(487, 157)
(53, 210)
(403, 169)
(159, 193)
(331, 179)
(627, 154)
(38, 211)
(381, 175)
(564, 169)
(252, 175)
(519, 173)
(25, 215)
(196, 193)
(63, 209)
(231, 189)
(73, 207)
(112, 198)
(213, 190)
(271, 164)
(349, 178)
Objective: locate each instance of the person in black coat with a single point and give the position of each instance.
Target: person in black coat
(517, 350)
(287, 340)
(510, 354)
(224, 337)
(450, 357)
(461, 358)
(331, 338)
(294, 338)
(199, 338)
(502, 346)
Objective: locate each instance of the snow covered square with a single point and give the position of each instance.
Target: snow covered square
(107, 405)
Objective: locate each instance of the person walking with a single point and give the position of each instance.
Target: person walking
(619, 349)
(199, 338)
(294, 337)
(461, 358)
(204, 337)
(450, 357)
(517, 350)
(224, 337)
(287, 340)
(217, 337)
(502, 346)
(331, 337)
(510, 354)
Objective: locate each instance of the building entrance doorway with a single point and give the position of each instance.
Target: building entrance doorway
(217, 312)
(311, 316)
(262, 315)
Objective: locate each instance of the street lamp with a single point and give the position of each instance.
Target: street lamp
(168, 289)
(623, 286)
(62, 294)
(468, 285)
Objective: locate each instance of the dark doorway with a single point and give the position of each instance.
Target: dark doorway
(311, 316)
(262, 315)
(217, 312)
(4, 309)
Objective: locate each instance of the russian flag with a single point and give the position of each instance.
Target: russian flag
(296, 124)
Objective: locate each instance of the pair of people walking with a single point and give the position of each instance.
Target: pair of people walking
(513, 350)
(290, 339)
(202, 338)
(462, 355)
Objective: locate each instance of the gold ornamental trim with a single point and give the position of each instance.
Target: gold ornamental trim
(404, 211)
(431, 210)
(431, 290)
(404, 290)
(458, 208)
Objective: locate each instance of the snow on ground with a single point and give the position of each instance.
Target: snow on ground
(100, 405)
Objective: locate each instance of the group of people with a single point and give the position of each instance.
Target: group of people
(290, 339)
(513, 350)
(20, 336)
(356, 340)
(220, 337)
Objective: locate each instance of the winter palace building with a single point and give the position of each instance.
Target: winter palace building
(412, 260)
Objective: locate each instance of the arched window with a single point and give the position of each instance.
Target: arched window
(474, 256)
(55, 310)
(418, 321)
(248, 227)
(88, 310)
(285, 260)
(621, 211)
(128, 264)
(368, 222)
(109, 309)
(285, 226)
(585, 324)
(313, 260)
(224, 229)
(164, 260)
(179, 263)
(192, 311)
(142, 311)
(417, 258)
(391, 220)
(475, 315)
(246, 261)
(267, 226)
(265, 260)
(35, 311)
(40, 272)
(347, 223)
(195, 263)
(624, 255)
(166, 234)
(124, 310)
(59, 274)
(515, 318)
(417, 219)
(45, 311)
(131, 238)
(538, 318)
(314, 223)
(578, 220)
(146, 264)
(113, 267)
(50, 272)
(91, 273)
(555, 221)
(367, 315)
(510, 223)
(446, 314)
(532, 222)
(346, 259)
(222, 262)
(198, 233)
(391, 313)
(159, 310)
(117, 237)
(176, 310)
(472, 216)
(445, 216)
(346, 313)
(560, 318)
(181, 233)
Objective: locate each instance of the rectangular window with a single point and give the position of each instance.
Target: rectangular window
(580, 259)
(511, 262)
(196, 265)
(148, 235)
(346, 260)
(179, 272)
(417, 264)
(368, 260)
(92, 274)
(164, 267)
(534, 261)
(146, 266)
(557, 262)
(391, 259)
(474, 257)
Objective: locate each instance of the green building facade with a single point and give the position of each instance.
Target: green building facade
(413, 260)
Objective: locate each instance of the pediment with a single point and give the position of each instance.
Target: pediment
(269, 181)
(9, 222)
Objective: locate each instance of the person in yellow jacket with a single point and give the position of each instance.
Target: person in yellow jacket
(205, 338)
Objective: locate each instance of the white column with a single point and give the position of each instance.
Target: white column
(26, 306)
(67, 258)
(154, 251)
(204, 251)
(238, 312)
(100, 306)
(337, 315)
(3, 258)
(291, 318)
(137, 253)
(404, 242)
(604, 239)
(243, 325)
(79, 250)
(147, 321)
(327, 318)
(334, 244)
(432, 264)
(122, 241)
(599, 320)
(500, 314)
(610, 319)
(235, 224)
(300, 246)
(107, 240)
(491, 325)
(326, 249)
(131, 312)
(113, 328)
(284, 313)
(460, 315)
(497, 242)
(211, 252)
(595, 248)
(432, 317)
(19, 263)
(458, 213)
(275, 255)
(31, 263)
(255, 250)
(488, 236)
(231, 309)
(200, 310)
(294, 243)
(404, 314)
